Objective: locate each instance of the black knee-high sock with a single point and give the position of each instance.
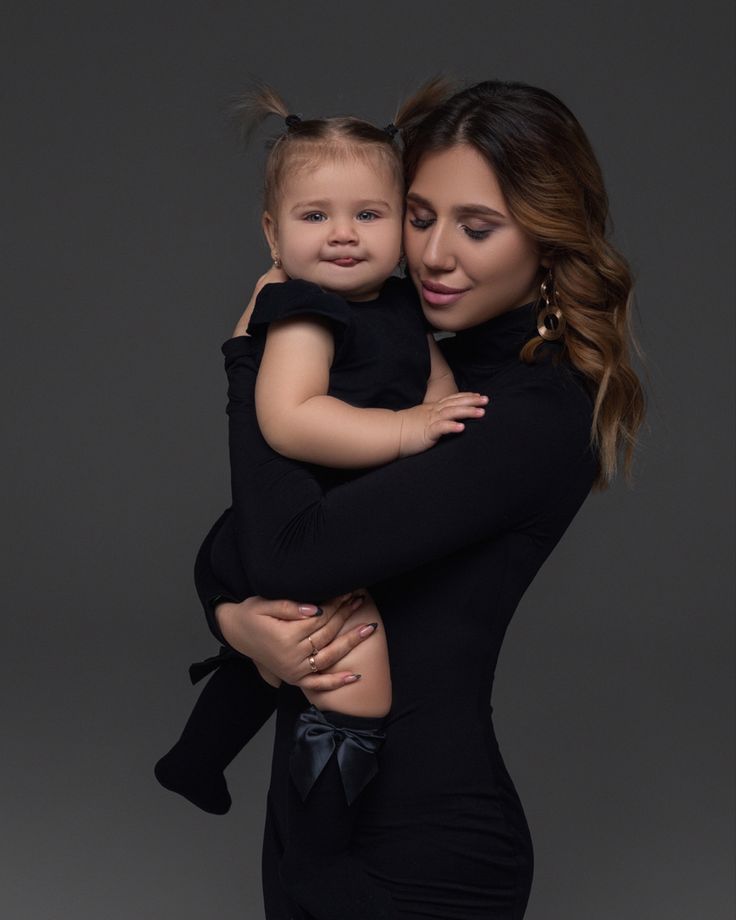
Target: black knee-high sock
(317, 869)
(232, 707)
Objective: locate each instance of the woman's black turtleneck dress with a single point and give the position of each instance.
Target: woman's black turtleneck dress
(447, 542)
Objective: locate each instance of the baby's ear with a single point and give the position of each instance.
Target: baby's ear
(269, 230)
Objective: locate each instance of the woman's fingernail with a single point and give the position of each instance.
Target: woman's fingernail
(351, 678)
(310, 610)
(367, 630)
(357, 601)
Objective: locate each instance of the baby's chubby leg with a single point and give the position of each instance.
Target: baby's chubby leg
(371, 695)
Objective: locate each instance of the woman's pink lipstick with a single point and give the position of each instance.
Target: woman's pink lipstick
(439, 295)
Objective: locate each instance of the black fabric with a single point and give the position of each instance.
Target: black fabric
(381, 360)
(319, 734)
(299, 298)
(381, 355)
(221, 723)
(316, 869)
(447, 541)
(219, 575)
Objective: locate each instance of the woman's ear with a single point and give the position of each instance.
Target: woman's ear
(269, 231)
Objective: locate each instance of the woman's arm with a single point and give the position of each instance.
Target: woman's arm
(527, 461)
(299, 420)
(281, 638)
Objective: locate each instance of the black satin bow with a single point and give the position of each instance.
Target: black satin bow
(315, 740)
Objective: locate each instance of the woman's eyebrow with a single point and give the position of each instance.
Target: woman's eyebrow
(417, 199)
(480, 209)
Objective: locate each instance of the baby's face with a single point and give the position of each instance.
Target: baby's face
(339, 226)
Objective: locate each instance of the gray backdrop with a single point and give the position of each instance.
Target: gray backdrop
(133, 244)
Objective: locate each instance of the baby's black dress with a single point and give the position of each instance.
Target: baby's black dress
(381, 360)
(447, 542)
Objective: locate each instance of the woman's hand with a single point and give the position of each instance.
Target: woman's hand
(277, 635)
(272, 276)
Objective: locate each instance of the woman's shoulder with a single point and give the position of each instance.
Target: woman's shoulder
(545, 396)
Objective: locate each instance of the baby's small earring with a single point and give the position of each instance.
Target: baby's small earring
(276, 260)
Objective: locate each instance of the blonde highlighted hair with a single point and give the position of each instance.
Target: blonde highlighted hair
(554, 188)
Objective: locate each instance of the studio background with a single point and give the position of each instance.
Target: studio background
(132, 241)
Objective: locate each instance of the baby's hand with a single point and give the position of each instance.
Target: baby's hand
(272, 276)
(423, 425)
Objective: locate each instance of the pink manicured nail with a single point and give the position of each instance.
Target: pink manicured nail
(310, 610)
(351, 678)
(367, 630)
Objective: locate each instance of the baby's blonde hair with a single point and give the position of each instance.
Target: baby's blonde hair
(306, 143)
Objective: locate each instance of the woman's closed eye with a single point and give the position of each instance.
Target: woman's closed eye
(476, 234)
(422, 223)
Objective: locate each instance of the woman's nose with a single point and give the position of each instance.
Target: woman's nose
(437, 254)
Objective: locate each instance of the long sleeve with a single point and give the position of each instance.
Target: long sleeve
(527, 466)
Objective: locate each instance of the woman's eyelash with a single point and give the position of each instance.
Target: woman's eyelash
(421, 223)
(476, 234)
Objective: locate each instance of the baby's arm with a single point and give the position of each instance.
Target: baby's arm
(441, 383)
(300, 421)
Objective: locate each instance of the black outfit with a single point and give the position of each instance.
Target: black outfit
(381, 360)
(447, 542)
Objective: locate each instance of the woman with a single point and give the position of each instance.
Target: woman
(505, 240)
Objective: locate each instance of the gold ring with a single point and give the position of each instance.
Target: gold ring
(312, 665)
(314, 649)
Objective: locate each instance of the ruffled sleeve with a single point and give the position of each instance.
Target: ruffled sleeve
(300, 298)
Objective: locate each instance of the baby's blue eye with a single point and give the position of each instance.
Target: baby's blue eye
(315, 217)
(367, 215)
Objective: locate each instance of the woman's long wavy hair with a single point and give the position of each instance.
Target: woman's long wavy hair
(554, 189)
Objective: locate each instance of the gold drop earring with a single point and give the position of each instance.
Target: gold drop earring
(276, 260)
(550, 320)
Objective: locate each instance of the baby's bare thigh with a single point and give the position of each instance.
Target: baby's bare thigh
(371, 695)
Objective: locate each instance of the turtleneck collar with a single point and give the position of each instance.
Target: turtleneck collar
(497, 340)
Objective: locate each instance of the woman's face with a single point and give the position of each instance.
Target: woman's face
(469, 259)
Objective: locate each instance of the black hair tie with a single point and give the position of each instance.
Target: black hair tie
(292, 121)
(391, 130)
